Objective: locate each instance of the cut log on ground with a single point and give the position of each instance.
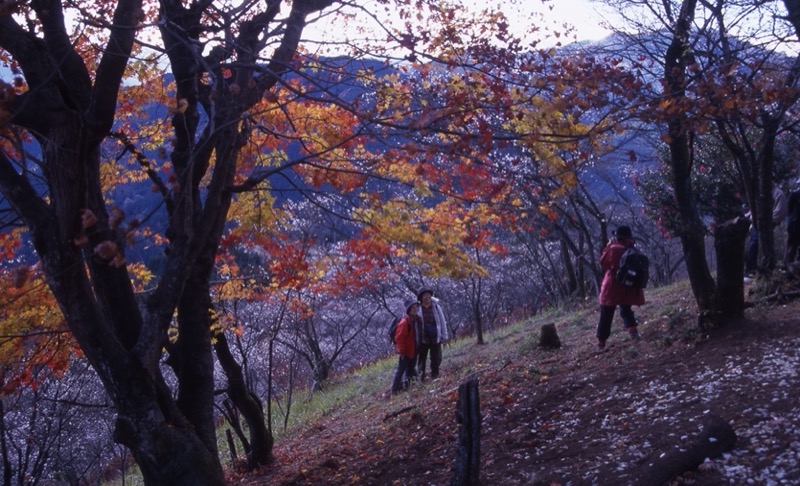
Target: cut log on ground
(717, 437)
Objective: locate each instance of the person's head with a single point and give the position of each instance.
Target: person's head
(425, 296)
(411, 306)
(623, 233)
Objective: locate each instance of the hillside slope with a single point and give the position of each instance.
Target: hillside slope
(572, 416)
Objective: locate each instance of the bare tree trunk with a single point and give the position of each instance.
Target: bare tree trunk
(232, 416)
(261, 440)
(477, 289)
(231, 445)
(169, 455)
(569, 268)
(191, 355)
(7, 470)
(692, 233)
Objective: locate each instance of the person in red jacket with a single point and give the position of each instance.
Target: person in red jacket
(405, 340)
(613, 293)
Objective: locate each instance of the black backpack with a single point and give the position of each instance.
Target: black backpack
(634, 268)
(393, 328)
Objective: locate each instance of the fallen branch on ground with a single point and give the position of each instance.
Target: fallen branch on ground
(399, 412)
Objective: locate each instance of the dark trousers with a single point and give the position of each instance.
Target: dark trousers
(436, 359)
(404, 374)
(607, 317)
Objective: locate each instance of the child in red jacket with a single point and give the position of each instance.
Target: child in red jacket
(405, 340)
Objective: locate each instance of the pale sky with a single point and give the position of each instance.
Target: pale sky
(586, 16)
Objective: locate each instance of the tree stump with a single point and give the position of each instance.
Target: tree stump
(548, 339)
(468, 414)
(729, 242)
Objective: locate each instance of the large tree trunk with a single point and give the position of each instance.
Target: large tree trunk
(190, 356)
(70, 111)
(98, 306)
(167, 454)
(692, 233)
(762, 214)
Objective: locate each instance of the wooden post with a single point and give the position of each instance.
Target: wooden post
(468, 414)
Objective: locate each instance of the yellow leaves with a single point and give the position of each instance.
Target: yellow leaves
(394, 97)
(140, 274)
(435, 239)
(254, 211)
(234, 288)
(36, 339)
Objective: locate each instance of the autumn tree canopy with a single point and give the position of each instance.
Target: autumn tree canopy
(219, 109)
(166, 161)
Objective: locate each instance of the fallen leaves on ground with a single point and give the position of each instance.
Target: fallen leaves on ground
(572, 416)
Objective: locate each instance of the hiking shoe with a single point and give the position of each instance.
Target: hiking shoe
(601, 346)
(635, 336)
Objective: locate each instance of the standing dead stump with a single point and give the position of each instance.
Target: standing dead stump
(468, 414)
(729, 243)
(549, 337)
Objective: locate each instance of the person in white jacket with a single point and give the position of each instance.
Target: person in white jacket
(434, 333)
(780, 209)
